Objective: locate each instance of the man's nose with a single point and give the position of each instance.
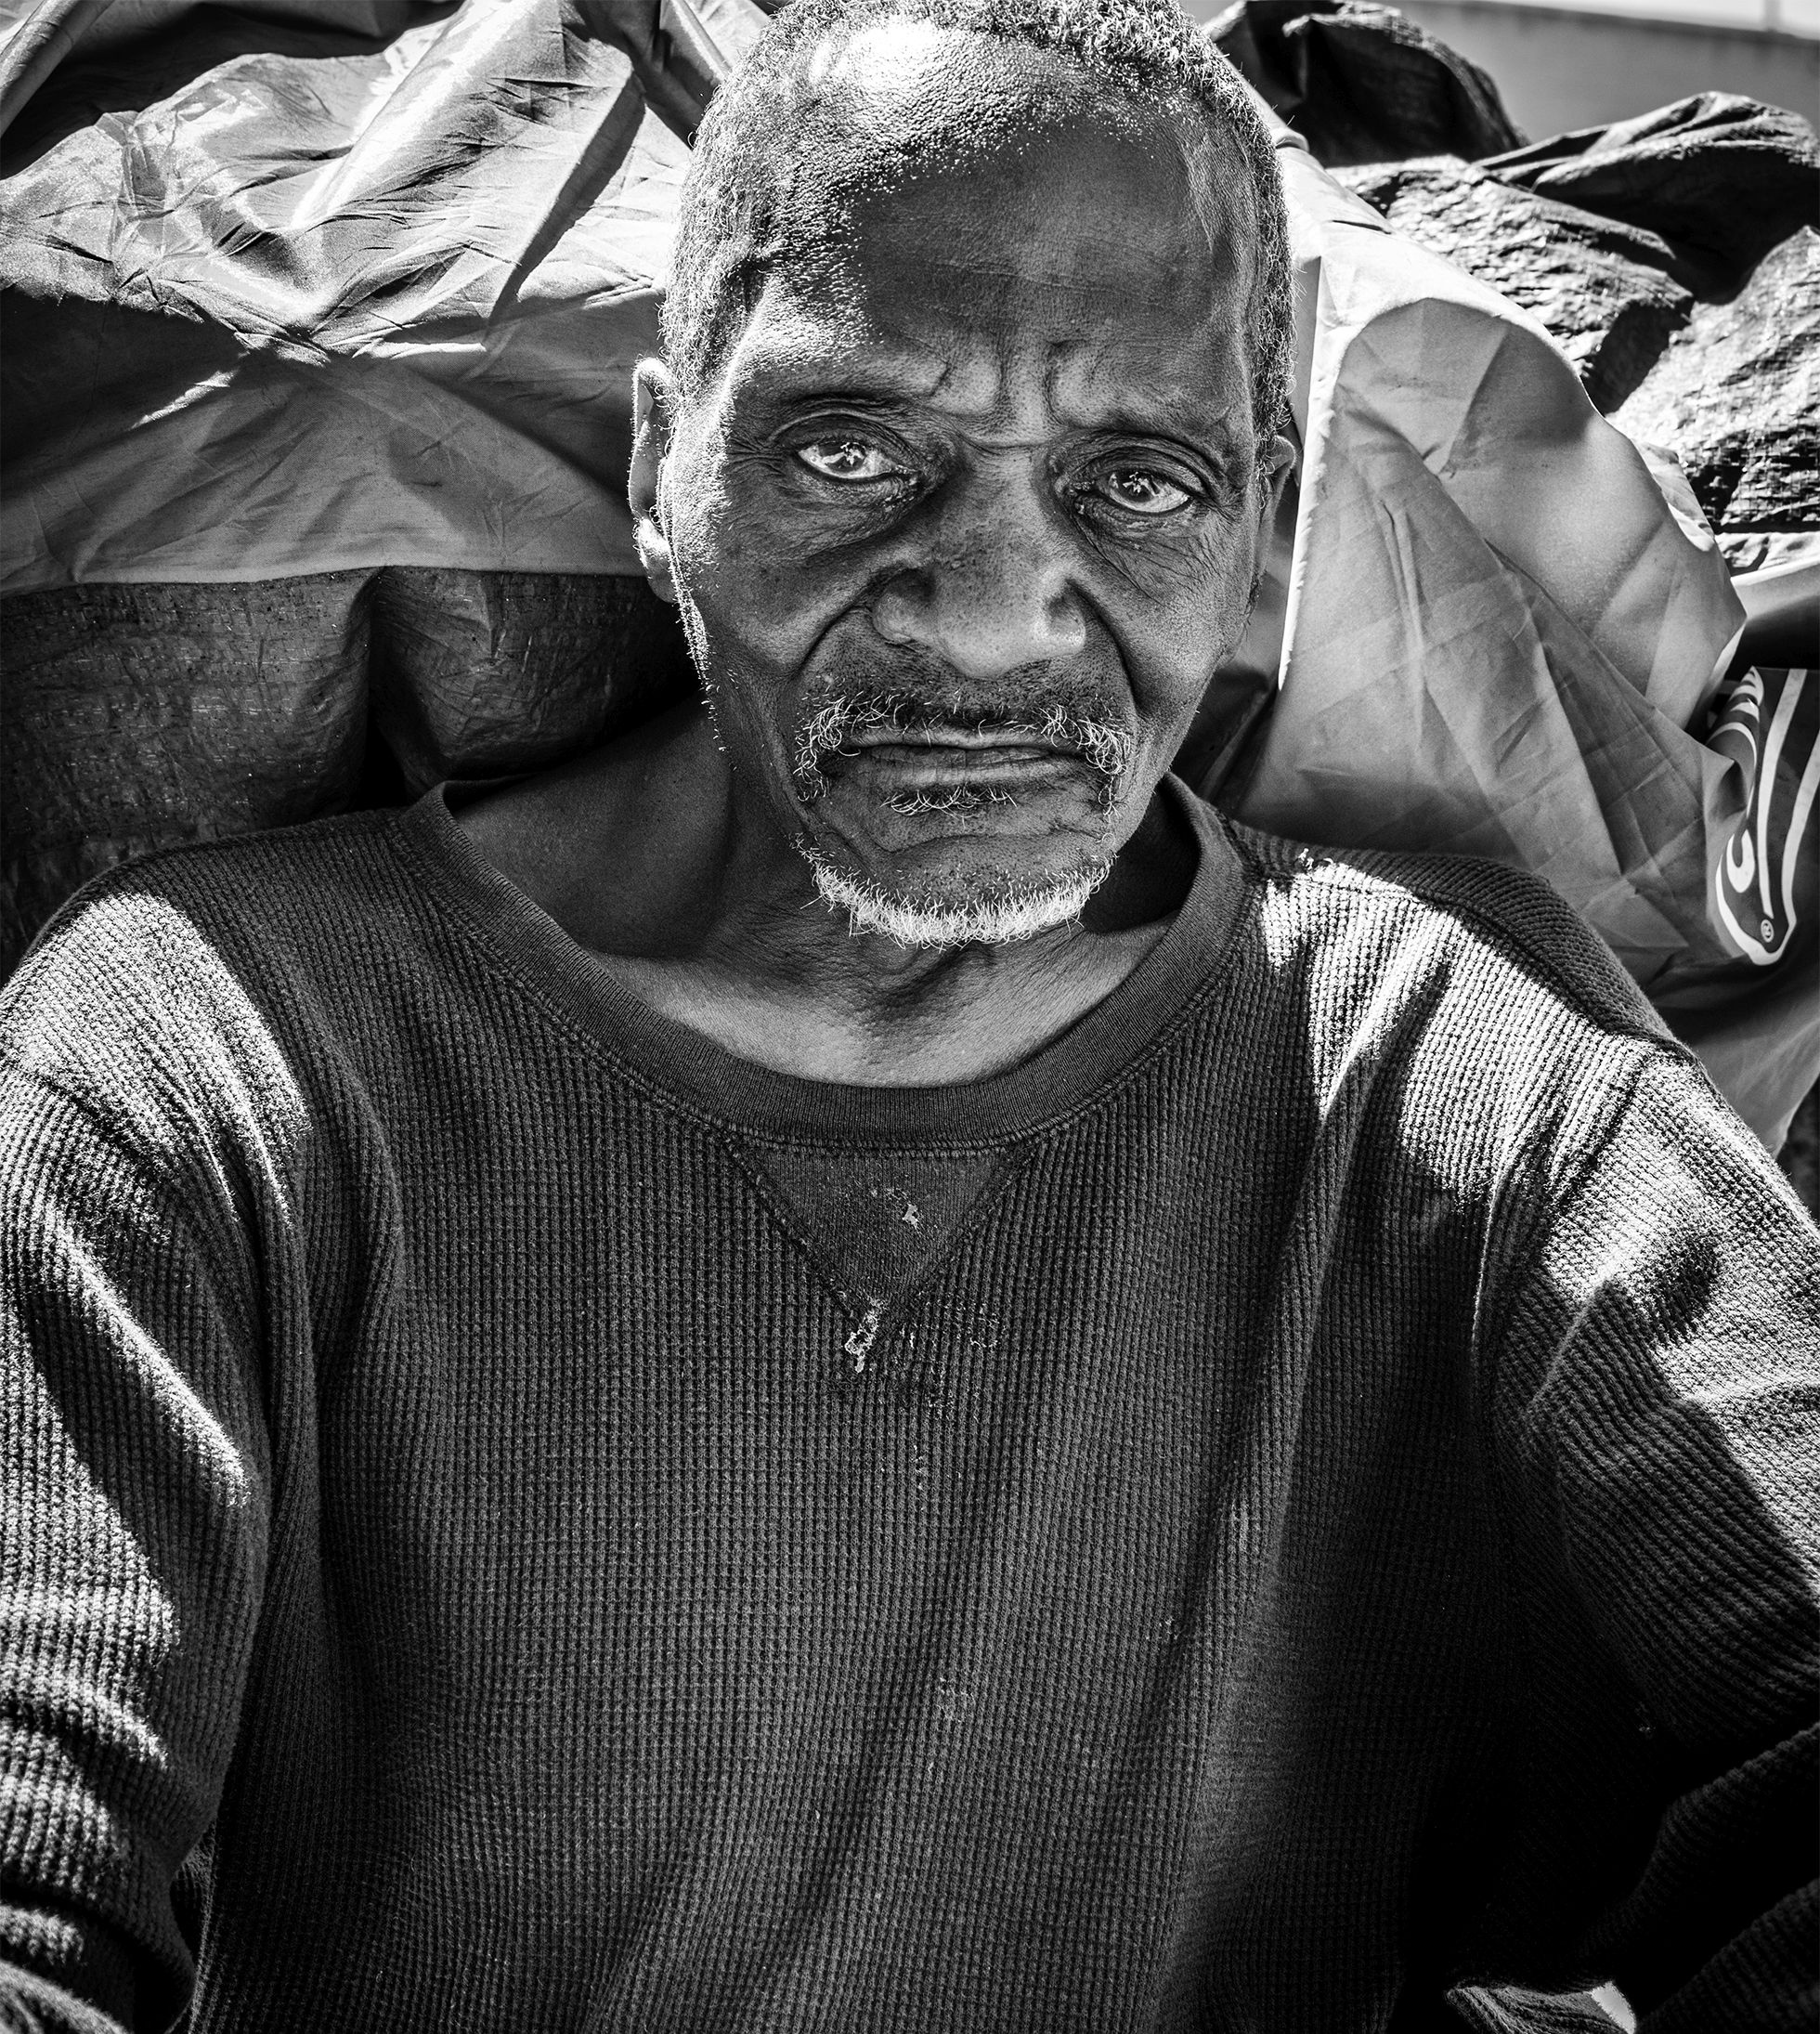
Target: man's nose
(990, 588)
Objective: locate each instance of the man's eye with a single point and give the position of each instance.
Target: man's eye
(845, 458)
(1141, 491)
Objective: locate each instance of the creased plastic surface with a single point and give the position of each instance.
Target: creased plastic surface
(308, 311)
(139, 716)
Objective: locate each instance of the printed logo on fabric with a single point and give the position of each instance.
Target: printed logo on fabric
(1768, 722)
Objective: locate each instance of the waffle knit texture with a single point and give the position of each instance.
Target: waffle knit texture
(1297, 1498)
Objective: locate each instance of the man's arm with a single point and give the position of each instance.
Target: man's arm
(133, 1527)
(1658, 1413)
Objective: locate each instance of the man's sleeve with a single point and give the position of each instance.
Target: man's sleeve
(133, 1526)
(1659, 1396)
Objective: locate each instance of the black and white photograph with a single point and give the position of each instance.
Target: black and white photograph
(909, 1017)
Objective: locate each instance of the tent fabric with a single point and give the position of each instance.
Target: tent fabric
(1362, 82)
(1756, 1017)
(142, 715)
(1673, 259)
(345, 297)
(1737, 392)
(139, 716)
(347, 300)
(1721, 178)
(1764, 886)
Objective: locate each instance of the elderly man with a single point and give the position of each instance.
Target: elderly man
(847, 1367)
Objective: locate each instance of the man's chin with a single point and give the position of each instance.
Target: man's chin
(987, 906)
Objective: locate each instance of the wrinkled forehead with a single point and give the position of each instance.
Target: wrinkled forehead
(900, 103)
(963, 204)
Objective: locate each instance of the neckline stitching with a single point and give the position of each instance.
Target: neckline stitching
(1218, 983)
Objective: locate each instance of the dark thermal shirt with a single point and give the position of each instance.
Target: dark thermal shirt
(1297, 1497)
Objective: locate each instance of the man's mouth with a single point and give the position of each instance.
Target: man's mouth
(923, 761)
(969, 772)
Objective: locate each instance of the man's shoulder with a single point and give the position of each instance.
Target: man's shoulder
(193, 958)
(1455, 1012)
(288, 887)
(1503, 931)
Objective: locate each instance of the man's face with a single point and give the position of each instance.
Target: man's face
(972, 511)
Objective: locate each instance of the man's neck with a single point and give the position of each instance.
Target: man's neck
(644, 853)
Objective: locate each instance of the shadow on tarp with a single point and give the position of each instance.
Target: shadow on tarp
(140, 716)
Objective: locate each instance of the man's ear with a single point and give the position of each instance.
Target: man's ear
(654, 400)
(1276, 463)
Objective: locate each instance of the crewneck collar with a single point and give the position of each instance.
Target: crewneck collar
(691, 1069)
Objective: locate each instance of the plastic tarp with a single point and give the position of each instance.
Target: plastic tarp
(1499, 631)
(1362, 82)
(139, 715)
(310, 300)
(289, 298)
(1673, 259)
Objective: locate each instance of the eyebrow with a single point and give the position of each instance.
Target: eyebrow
(882, 377)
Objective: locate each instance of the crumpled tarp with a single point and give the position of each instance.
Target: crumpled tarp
(349, 301)
(139, 715)
(1362, 82)
(286, 298)
(1722, 179)
(1672, 258)
(1608, 292)
(1737, 392)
